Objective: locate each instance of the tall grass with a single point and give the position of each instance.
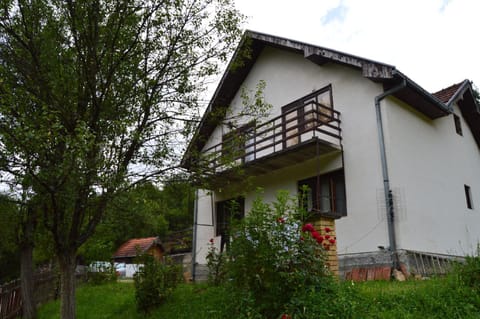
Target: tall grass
(434, 298)
(117, 301)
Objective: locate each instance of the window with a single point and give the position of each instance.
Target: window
(238, 143)
(226, 211)
(468, 197)
(325, 194)
(458, 124)
(307, 113)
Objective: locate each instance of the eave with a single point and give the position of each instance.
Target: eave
(254, 42)
(414, 95)
(469, 108)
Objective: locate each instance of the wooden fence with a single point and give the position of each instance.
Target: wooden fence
(46, 288)
(10, 300)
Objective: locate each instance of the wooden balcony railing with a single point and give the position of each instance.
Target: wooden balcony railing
(301, 125)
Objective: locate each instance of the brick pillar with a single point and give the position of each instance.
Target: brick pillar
(320, 224)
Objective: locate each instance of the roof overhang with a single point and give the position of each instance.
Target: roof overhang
(465, 98)
(250, 48)
(414, 95)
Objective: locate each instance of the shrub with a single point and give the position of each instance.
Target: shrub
(468, 273)
(154, 282)
(216, 263)
(100, 273)
(272, 259)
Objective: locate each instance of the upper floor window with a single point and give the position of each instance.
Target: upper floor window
(468, 196)
(238, 143)
(325, 194)
(458, 124)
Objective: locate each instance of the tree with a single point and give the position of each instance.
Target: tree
(91, 95)
(9, 259)
(142, 211)
(18, 220)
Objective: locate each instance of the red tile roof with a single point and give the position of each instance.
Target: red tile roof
(134, 246)
(446, 94)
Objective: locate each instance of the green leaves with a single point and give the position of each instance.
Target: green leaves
(93, 94)
(269, 262)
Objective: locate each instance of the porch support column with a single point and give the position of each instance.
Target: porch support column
(321, 224)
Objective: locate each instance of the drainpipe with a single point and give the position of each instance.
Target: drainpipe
(386, 181)
(194, 241)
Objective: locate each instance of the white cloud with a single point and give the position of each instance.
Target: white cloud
(432, 41)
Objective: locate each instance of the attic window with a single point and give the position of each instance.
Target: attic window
(468, 197)
(458, 124)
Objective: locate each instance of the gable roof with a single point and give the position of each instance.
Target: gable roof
(446, 94)
(252, 45)
(136, 246)
(463, 94)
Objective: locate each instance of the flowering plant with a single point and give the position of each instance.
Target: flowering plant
(326, 241)
(270, 258)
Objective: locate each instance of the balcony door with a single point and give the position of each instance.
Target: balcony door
(305, 115)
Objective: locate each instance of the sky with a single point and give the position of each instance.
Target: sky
(434, 42)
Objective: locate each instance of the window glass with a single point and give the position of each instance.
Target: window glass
(326, 194)
(458, 124)
(468, 197)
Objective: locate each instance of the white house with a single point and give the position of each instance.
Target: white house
(394, 167)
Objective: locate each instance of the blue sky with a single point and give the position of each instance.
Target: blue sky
(434, 42)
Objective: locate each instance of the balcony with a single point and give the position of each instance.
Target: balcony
(305, 130)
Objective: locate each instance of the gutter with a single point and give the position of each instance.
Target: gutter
(427, 95)
(386, 180)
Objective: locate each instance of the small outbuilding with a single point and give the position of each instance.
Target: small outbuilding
(139, 246)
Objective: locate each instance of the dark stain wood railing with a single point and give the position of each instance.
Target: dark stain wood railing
(308, 121)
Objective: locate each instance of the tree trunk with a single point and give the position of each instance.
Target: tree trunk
(26, 244)
(27, 281)
(67, 263)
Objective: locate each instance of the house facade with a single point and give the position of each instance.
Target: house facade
(393, 168)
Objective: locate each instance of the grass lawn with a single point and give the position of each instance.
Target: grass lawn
(117, 301)
(436, 298)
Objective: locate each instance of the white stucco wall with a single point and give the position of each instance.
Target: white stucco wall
(429, 164)
(428, 157)
(289, 76)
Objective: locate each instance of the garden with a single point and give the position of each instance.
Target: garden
(275, 268)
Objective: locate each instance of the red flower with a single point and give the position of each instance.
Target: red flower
(211, 240)
(328, 229)
(308, 227)
(332, 241)
(285, 316)
(317, 237)
(327, 236)
(280, 220)
(301, 238)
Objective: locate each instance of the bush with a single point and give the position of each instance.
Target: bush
(272, 260)
(216, 263)
(100, 273)
(154, 282)
(468, 273)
